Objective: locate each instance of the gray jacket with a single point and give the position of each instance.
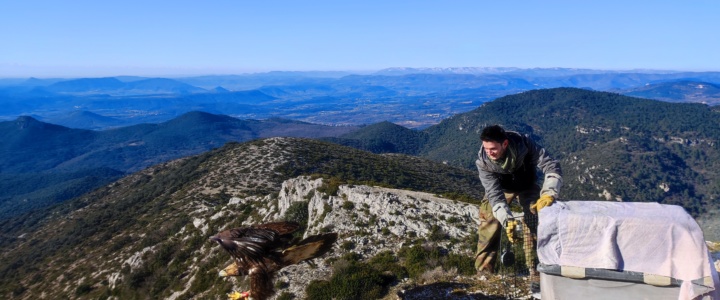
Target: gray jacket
(523, 176)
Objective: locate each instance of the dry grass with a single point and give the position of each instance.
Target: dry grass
(442, 284)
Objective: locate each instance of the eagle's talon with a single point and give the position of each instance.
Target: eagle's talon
(235, 295)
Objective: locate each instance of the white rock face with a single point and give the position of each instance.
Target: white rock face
(136, 259)
(296, 189)
(401, 213)
(200, 224)
(370, 220)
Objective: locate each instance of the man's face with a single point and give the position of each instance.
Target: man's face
(495, 150)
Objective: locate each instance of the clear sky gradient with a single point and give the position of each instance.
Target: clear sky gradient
(53, 38)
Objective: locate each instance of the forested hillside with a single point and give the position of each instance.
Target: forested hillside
(612, 147)
(43, 164)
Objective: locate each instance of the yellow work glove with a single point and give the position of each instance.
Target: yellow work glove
(545, 200)
(510, 230)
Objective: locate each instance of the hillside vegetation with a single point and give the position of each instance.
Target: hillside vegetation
(45, 164)
(146, 235)
(611, 147)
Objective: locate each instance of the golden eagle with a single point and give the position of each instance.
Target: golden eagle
(260, 251)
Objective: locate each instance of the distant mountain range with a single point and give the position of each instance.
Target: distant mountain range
(42, 163)
(85, 120)
(611, 146)
(411, 97)
(679, 91)
(113, 86)
(145, 234)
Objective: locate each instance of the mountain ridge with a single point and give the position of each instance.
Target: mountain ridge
(412, 97)
(679, 142)
(113, 86)
(34, 147)
(679, 91)
(146, 234)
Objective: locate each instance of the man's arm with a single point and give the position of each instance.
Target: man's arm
(491, 184)
(494, 194)
(549, 166)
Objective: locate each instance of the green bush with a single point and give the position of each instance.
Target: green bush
(83, 289)
(465, 265)
(286, 296)
(319, 290)
(353, 279)
(348, 205)
(347, 245)
(415, 259)
(437, 234)
(330, 186)
(356, 281)
(298, 212)
(418, 259)
(387, 261)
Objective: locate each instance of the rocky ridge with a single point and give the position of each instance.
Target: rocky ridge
(146, 235)
(371, 219)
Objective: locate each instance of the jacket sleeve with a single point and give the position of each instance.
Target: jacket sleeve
(550, 167)
(491, 184)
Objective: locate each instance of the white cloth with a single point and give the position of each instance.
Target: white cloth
(641, 237)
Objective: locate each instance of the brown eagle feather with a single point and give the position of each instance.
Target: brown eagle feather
(260, 251)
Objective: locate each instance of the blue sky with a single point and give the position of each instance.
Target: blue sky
(172, 38)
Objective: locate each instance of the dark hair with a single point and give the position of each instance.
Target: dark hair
(493, 133)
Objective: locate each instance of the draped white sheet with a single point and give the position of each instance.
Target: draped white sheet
(650, 238)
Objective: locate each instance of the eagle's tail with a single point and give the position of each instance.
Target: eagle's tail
(309, 248)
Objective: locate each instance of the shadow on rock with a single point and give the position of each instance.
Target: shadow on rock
(443, 290)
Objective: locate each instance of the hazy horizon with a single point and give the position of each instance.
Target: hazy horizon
(356, 72)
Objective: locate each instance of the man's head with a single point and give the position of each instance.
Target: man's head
(494, 141)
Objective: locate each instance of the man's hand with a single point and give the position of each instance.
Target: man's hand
(545, 200)
(502, 213)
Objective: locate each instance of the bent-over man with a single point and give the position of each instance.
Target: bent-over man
(507, 165)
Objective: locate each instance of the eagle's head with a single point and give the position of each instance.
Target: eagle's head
(225, 242)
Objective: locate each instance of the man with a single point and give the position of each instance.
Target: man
(507, 163)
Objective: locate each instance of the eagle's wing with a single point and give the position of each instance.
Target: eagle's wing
(249, 244)
(309, 248)
(281, 228)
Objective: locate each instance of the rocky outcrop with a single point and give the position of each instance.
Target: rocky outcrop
(368, 220)
(361, 214)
